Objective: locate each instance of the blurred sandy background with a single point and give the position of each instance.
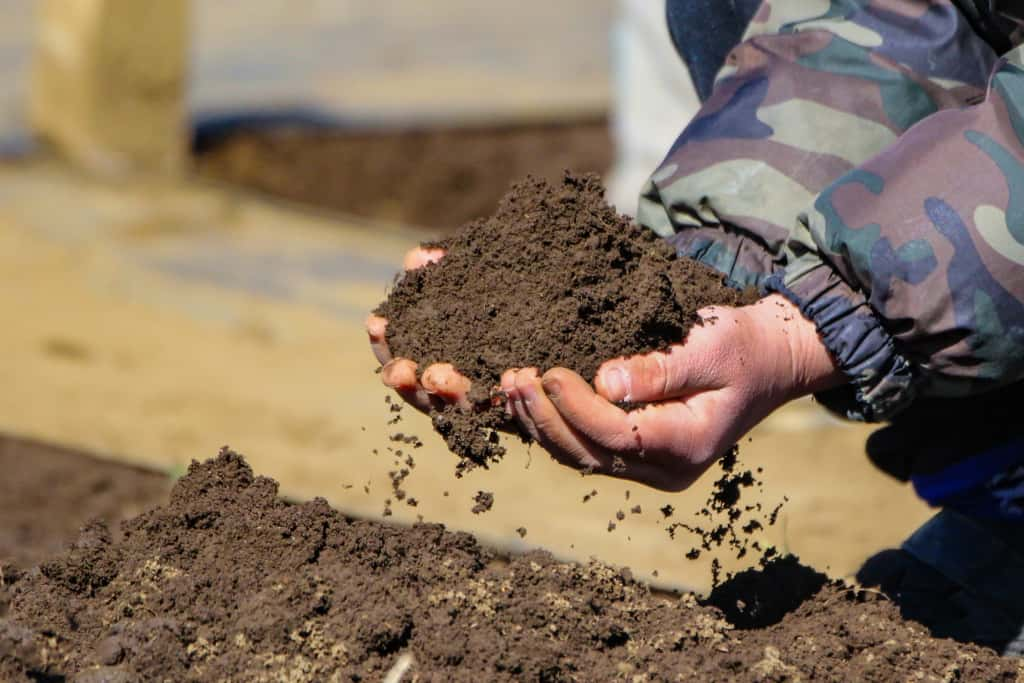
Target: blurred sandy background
(154, 320)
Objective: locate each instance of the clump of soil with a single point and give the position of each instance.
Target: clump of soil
(436, 178)
(555, 278)
(229, 582)
(484, 502)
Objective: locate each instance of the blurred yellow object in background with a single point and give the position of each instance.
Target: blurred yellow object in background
(108, 83)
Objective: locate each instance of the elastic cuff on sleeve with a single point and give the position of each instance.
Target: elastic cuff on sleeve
(881, 380)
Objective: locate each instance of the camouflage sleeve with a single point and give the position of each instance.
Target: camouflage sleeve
(818, 92)
(930, 234)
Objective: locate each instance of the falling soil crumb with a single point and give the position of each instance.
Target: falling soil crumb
(521, 531)
(667, 511)
(611, 526)
(484, 502)
(774, 515)
(723, 515)
(228, 581)
(620, 515)
(408, 439)
(587, 497)
(559, 279)
(636, 510)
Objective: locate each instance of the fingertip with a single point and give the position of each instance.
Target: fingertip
(419, 257)
(376, 326)
(556, 379)
(613, 382)
(443, 380)
(508, 379)
(552, 387)
(400, 374)
(527, 380)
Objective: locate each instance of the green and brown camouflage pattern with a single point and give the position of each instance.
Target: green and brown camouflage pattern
(865, 158)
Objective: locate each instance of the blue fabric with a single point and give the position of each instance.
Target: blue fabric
(705, 31)
(989, 485)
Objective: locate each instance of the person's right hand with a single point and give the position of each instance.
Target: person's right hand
(439, 383)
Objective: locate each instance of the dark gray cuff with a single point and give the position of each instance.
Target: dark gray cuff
(882, 381)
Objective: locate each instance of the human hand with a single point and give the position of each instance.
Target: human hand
(439, 383)
(705, 394)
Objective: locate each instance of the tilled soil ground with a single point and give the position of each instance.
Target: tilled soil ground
(229, 582)
(48, 493)
(435, 178)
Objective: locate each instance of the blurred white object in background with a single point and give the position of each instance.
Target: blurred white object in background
(653, 100)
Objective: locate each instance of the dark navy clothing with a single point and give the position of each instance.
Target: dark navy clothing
(704, 32)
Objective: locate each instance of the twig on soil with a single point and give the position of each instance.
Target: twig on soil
(401, 666)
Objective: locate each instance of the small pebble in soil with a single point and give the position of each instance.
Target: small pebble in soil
(521, 531)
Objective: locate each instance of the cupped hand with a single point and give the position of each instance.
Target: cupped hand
(704, 395)
(439, 383)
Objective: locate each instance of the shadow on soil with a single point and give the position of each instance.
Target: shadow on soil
(762, 597)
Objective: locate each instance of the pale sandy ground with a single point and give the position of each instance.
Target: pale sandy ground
(156, 324)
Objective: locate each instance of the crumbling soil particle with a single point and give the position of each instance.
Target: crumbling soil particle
(555, 278)
(229, 582)
(484, 502)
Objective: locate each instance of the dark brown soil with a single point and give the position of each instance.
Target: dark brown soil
(438, 178)
(229, 582)
(48, 493)
(555, 278)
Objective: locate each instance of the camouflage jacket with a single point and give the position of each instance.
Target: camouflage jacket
(865, 158)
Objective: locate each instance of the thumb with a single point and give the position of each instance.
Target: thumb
(684, 369)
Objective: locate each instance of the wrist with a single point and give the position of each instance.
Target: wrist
(793, 341)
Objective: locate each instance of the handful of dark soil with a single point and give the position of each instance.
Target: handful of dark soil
(555, 278)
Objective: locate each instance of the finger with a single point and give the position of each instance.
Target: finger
(680, 429)
(376, 328)
(419, 399)
(571, 447)
(607, 425)
(698, 364)
(444, 381)
(400, 375)
(543, 420)
(419, 257)
(507, 387)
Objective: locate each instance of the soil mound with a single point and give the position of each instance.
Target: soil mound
(229, 582)
(436, 178)
(555, 278)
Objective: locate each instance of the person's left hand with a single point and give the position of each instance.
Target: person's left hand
(705, 394)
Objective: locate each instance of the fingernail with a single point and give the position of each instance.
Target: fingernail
(616, 383)
(552, 388)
